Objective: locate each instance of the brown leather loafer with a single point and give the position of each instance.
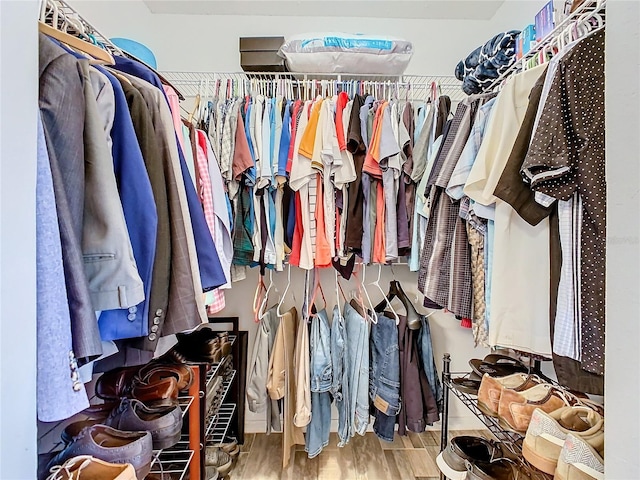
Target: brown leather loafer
(202, 345)
(155, 371)
(116, 383)
(112, 446)
(163, 393)
(160, 387)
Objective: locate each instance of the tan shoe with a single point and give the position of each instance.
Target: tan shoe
(579, 461)
(516, 408)
(86, 467)
(547, 432)
(491, 389)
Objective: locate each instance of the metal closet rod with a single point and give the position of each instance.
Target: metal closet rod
(193, 82)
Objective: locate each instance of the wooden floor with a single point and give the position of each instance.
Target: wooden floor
(364, 458)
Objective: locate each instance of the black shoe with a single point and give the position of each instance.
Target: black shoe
(502, 469)
(462, 450)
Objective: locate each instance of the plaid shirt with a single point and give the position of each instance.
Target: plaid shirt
(215, 299)
(445, 265)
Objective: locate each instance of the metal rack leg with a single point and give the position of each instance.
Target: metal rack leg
(446, 376)
(195, 424)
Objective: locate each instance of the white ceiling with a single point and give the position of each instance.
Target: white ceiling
(422, 9)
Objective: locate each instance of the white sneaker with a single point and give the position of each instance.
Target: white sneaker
(579, 461)
(547, 432)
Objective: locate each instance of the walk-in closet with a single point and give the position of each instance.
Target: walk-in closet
(319, 240)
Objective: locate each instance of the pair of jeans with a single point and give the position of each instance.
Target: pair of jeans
(428, 362)
(384, 384)
(340, 384)
(321, 382)
(357, 359)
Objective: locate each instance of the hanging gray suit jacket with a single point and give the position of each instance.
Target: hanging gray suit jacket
(62, 107)
(114, 281)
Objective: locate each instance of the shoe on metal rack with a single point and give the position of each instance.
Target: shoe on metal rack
(88, 467)
(502, 469)
(579, 460)
(231, 447)
(110, 445)
(548, 431)
(211, 473)
(214, 457)
(463, 449)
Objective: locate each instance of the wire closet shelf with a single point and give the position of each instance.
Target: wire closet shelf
(416, 87)
(557, 38)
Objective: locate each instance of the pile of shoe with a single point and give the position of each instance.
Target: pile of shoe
(86, 467)
(564, 429)
(567, 443)
(203, 345)
(215, 389)
(476, 458)
(140, 414)
(219, 460)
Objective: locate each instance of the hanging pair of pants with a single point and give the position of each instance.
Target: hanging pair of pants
(384, 384)
(357, 360)
(340, 382)
(321, 381)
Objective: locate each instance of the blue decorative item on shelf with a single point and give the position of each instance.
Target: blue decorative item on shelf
(137, 49)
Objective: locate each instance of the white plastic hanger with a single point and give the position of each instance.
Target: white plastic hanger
(260, 288)
(265, 299)
(338, 292)
(384, 295)
(315, 287)
(280, 314)
(372, 312)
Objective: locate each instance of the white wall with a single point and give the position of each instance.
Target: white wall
(447, 335)
(622, 389)
(18, 108)
(210, 43)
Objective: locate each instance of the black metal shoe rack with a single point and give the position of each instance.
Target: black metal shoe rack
(204, 427)
(512, 440)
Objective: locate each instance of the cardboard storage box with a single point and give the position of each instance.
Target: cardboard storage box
(260, 54)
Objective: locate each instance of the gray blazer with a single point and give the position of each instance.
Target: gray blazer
(62, 107)
(110, 267)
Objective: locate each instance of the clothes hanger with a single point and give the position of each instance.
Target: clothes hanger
(97, 53)
(260, 288)
(338, 292)
(396, 290)
(317, 285)
(357, 301)
(371, 311)
(386, 300)
(197, 104)
(280, 314)
(262, 310)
